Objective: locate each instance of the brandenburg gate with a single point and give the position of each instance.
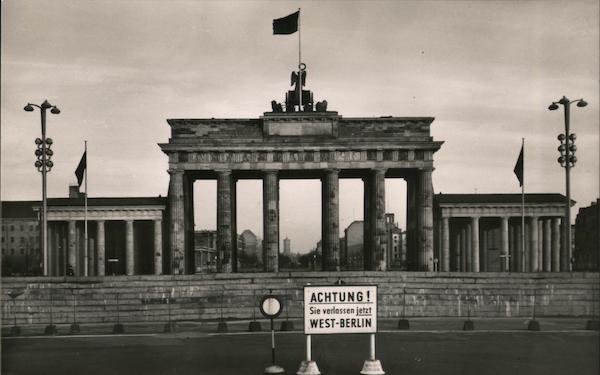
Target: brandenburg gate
(301, 141)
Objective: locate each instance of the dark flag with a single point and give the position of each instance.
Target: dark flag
(519, 167)
(81, 168)
(287, 24)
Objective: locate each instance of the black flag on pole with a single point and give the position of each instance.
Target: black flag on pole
(81, 168)
(519, 167)
(286, 25)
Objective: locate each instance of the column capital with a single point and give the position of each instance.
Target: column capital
(223, 172)
(270, 171)
(175, 171)
(99, 221)
(331, 171)
(378, 170)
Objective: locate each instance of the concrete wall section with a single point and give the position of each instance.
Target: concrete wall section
(198, 297)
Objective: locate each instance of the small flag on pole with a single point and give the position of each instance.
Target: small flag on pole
(286, 25)
(519, 167)
(79, 172)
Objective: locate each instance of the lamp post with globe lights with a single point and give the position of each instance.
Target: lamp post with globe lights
(567, 160)
(44, 165)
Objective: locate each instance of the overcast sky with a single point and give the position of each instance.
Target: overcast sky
(486, 71)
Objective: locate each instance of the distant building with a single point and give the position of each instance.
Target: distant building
(352, 255)
(395, 255)
(587, 238)
(484, 232)
(353, 238)
(205, 251)
(287, 246)
(248, 242)
(124, 236)
(21, 252)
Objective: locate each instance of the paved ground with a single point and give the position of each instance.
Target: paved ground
(401, 352)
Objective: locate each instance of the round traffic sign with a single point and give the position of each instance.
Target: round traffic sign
(271, 306)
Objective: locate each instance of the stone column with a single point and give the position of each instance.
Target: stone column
(425, 221)
(72, 243)
(270, 221)
(464, 245)
(483, 250)
(366, 255)
(100, 239)
(519, 249)
(547, 245)
(234, 238)
(129, 264)
(475, 244)
(177, 221)
(158, 247)
(377, 240)
(188, 208)
(540, 245)
(533, 244)
(330, 231)
(468, 247)
(224, 243)
(555, 247)
(457, 250)
(445, 245)
(504, 243)
(411, 222)
(56, 245)
(92, 255)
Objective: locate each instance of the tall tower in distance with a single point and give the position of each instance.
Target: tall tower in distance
(287, 246)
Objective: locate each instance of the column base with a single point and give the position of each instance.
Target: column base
(75, 328)
(372, 367)
(308, 368)
(15, 330)
(274, 369)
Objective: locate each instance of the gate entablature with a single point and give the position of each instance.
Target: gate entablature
(299, 144)
(301, 141)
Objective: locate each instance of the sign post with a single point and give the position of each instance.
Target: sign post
(271, 307)
(341, 309)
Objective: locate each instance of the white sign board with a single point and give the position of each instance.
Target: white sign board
(340, 309)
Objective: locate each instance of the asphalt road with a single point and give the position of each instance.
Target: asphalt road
(401, 352)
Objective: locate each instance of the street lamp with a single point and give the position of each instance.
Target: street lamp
(567, 160)
(44, 165)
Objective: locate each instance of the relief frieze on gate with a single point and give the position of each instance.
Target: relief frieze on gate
(293, 156)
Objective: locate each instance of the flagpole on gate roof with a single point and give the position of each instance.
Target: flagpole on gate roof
(299, 41)
(299, 62)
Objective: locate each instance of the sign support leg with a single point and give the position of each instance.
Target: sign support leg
(372, 366)
(308, 366)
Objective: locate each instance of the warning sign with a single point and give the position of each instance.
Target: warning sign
(340, 309)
